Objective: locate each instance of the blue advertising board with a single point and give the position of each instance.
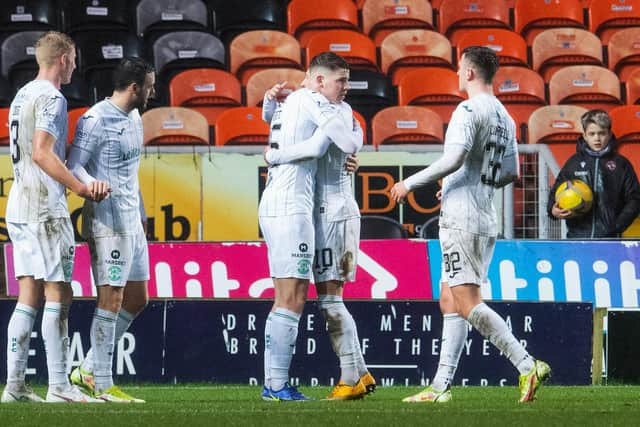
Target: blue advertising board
(222, 342)
(606, 273)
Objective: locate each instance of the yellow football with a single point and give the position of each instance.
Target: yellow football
(574, 195)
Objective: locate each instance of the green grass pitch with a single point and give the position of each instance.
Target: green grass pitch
(187, 406)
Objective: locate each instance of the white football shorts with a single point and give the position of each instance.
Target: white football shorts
(116, 260)
(465, 256)
(43, 250)
(290, 245)
(336, 256)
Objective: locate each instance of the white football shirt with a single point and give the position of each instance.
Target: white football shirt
(113, 141)
(290, 187)
(34, 195)
(479, 124)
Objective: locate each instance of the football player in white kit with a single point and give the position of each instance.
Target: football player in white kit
(480, 154)
(38, 221)
(286, 211)
(337, 233)
(107, 145)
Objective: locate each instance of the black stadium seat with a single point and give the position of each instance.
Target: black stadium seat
(227, 22)
(6, 93)
(97, 15)
(157, 17)
(18, 57)
(381, 227)
(105, 49)
(181, 50)
(370, 92)
(77, 92)
(28, 15)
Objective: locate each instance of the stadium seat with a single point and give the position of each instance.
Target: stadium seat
(632, 87)
(306, 17)
(508, 45)
(260, 49)
(174, 126)
(77, 92)
(559, 127)
(381, 17)
(608, 16)
(625, 124)
(403, 50)
(156, 17)
(100, 84)
(407, 125)
(263, 80)
(369, 92)
(376, 227)
(630, 151)
(521, 90)
(436, 88)
(624, 52)
(33, 15)
(458, 14)
(18, 57)
(585, 85)
(206, 90)
(180, 50)
(231, 18)
(356, 48)
(241, 126)
(4, 126)
(533, 16)
(556, 48)
(74, 115)
(99, 50)
(103, 15)
(364, 125)
(6, 92)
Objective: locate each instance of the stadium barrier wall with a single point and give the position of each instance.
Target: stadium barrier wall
(222, 342)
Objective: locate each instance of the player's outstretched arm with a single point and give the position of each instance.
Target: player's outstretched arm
(310, 148)
(270, 101)
(349, 139)
(98, 190)
(453, 157)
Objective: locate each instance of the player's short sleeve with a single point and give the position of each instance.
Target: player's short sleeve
(460, 129)
(51, 114)
(87, 134)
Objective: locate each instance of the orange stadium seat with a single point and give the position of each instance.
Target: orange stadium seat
(255, 50)
(206, 90)
(174, 126)
(4, 126)
(356, 48)
(585, 85)
(363, 124)
(263, 80)
(624, 52)
(608, 16)
(630, 151)
(533, 16)
(407, 125)
(381, 17)
(625, 124)
(73, 117)
(521, 90)
(306, 17)
(556, 48)
(435, 88)
(559, 127)
(508, 45)
(458, 14)
(241, 126)
(403, 50)
(632, 86)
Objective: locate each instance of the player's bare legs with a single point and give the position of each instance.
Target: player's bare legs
(355, 381)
